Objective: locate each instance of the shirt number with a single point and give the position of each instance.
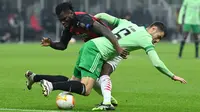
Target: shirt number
(124, 32)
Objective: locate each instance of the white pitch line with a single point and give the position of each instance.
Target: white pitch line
(31, 110)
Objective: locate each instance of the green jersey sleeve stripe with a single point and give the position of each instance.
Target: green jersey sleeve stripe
(149, 48)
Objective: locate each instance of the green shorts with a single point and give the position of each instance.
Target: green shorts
(192, 28)
(89, 63)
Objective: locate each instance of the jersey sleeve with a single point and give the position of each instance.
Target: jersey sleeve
(159, 64)
(108, 18)
(182, 12)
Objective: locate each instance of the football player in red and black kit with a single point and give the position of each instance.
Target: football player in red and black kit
(86, 27)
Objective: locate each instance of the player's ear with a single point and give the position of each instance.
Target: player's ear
(154, 28)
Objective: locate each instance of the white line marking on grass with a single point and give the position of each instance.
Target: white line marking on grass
(33, 110)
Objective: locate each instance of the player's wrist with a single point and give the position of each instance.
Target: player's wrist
(51, 43)
(172, 77)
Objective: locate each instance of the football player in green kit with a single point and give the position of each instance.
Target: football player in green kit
(189, 18)
(94, 52)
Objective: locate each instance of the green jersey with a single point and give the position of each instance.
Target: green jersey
(131, 37)
(190, 12)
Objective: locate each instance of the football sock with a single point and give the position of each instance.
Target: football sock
(97, 87)
(106, 86)
(196, 49)
(50, 78)
(181, 48)
(71, 86)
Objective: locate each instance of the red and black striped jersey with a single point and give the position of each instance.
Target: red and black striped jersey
(81, 27)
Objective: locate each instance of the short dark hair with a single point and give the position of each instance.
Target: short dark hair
(161, 26)
(63, 7)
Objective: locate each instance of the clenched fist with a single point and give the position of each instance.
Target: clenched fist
(45, 41)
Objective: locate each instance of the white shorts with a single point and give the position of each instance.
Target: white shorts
(114, 62)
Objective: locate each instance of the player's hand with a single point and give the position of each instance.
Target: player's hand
(122, 52)
(45, 41)
(177, 78)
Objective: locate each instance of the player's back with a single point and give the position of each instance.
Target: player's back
(130, 36)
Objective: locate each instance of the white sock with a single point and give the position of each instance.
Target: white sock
(106, 87)
(97, 87)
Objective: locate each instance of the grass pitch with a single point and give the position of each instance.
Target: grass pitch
(137, 85)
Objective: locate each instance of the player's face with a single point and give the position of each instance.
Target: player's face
(157, 36)
(66, 18)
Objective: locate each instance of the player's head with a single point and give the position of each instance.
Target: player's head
(65, 13)
(158, 30)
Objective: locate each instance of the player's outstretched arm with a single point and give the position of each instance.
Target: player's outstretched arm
(162, 68)
(61, 45)
(97, 27)
(108, 18)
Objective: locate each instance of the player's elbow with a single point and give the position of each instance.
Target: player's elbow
(157, 64)
(63, 48)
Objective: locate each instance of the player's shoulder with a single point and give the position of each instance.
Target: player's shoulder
(123, 21)
(143, 34)
(81, 16)
(84, 18)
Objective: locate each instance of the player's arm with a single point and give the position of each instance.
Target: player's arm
(61, 45)
(182, 12)
(108, 18)
(153, 56)
(89, 24)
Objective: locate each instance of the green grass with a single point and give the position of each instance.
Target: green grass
(137, 85)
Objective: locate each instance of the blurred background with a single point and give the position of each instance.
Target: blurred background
(30, 20)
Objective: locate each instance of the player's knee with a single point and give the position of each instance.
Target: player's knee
(185, 36)
(87, 89)
(107, 69)
(87, 93)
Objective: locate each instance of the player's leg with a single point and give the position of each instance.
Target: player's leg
(91, 65)
(77, 74)
(73, 85)
(196, 32)
(103, 85)
(88, 79)
(83, 88)
(196, 43)
(105, 81)
(186, 30)
(106, 84)
(32, 78)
